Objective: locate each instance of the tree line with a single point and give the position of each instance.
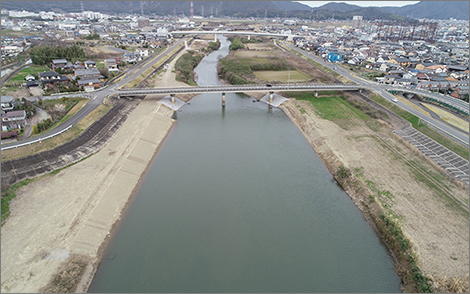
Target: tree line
(42, 55)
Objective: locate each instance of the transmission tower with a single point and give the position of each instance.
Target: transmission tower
(81, 6)
(202, 11)
(142, 8)
(191, 12)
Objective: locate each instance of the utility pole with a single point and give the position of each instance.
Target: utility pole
(202, 11)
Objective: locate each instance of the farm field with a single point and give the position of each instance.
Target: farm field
(250, 54)
(283, 76)
(258, 46)
(32, 70)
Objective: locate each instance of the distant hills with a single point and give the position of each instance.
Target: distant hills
(337, 10)
(433, 10)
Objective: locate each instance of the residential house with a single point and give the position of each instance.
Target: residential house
(90, 64)
(7, 103)
(89, 78)
(88, 73)
(31, 81)
(111, 65)
(142, 53)
(129, 57)
(13, 120)
(51, 78)
(61, 64)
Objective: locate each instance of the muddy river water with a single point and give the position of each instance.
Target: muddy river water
(236, 200)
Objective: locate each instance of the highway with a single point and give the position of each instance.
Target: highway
(444, 128)
(97, 97)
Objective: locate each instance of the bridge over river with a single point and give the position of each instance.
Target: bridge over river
(238, 89)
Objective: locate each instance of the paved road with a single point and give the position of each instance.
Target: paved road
(96, 98)
(264, 88)
(444, 128)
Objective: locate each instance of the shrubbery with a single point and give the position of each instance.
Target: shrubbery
(236, 44)
(185, 65)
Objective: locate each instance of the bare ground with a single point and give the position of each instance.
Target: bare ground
(436, 225)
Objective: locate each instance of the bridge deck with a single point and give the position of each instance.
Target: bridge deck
(232, 89)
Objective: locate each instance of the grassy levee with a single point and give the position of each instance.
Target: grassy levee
(428, 131)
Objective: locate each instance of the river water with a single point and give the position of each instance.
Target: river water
(236, 200)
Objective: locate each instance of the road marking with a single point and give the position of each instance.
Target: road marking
(94, 98)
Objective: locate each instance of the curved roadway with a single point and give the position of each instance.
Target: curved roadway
(382, 90)
(96, 97)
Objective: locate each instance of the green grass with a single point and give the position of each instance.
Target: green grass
(8, 195)
(293, 76)
(333, 107)
(415, 121)
(32, 70)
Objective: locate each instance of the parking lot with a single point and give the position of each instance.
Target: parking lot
(448, 160)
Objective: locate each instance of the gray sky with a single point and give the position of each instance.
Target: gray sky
(361, 3)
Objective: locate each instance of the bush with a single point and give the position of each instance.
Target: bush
(236, 44)
(343, 172)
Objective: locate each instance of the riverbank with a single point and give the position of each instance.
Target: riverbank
(384, 181)
(52, 240)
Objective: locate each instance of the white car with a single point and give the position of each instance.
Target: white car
(394, 100)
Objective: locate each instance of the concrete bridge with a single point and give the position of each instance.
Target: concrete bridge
(247, 33)
(238, 89)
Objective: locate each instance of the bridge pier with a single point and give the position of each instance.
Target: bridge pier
(173, 100)
(186, 45)
(249, 37)
(316, 93)
(215, 38)
(271, 93)
(223, 99)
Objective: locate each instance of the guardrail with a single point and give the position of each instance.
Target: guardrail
(36, 141)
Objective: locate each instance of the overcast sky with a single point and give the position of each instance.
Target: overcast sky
(361, 3)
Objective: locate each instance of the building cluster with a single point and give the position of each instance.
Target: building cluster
(440, 64)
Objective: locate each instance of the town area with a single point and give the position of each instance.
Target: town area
(88, 98)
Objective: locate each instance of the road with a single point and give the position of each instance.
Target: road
(443, 127)
(97, 97)
(257, 88)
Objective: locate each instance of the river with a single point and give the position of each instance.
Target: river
(236, 200)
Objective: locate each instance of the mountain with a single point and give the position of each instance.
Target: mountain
(289, 6)
(338, 6)
(433, 10)
(221, 8)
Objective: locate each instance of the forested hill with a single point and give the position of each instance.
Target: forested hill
(340, 11)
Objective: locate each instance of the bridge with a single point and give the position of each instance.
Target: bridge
(237, 89)
(248, 33)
